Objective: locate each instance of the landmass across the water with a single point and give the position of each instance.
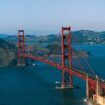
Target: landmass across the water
(46, 45)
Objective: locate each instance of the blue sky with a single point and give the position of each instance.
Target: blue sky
(47, 16)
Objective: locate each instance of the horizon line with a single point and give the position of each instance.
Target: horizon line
(44, 33)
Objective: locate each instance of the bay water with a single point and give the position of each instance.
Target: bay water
(36, 85)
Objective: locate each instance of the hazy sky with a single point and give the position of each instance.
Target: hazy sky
(47, 16)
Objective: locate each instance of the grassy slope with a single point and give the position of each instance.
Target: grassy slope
(7, 53)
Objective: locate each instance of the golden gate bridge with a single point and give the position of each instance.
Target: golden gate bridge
(95, 86)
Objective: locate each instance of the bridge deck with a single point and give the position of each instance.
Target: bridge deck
(76, 72)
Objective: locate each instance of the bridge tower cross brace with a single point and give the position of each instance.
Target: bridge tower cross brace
(21, 48)
(66, 56)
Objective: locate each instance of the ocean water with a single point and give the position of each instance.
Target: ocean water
(36, 85)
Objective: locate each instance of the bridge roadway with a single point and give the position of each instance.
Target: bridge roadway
(76, 72)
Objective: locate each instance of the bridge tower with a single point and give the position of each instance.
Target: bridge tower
(66, 57)
(90, 88)
(94, 89)
(21, 48)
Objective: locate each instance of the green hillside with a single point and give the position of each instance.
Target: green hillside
(7, 53)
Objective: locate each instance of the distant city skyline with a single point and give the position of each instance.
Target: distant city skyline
(48, 16)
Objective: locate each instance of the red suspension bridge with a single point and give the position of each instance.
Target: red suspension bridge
(94, 85)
